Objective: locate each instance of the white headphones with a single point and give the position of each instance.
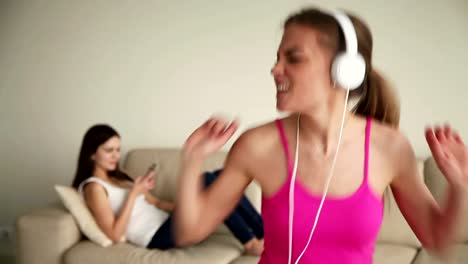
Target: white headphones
(348, 71)
(349, 67)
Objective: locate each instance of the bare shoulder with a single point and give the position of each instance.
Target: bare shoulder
(254, 144)
(92, 190)
(392, 145)
(257, 138)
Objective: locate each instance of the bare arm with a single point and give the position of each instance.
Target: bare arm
(199, 211)
(161, 204)
(113, 226)
(435, 226)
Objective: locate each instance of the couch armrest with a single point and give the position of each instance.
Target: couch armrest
(43, 236)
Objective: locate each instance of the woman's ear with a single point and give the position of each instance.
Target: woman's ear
(93, 157)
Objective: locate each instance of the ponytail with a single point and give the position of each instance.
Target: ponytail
(378, 100)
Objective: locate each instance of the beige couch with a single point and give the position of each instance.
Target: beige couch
(50, 235)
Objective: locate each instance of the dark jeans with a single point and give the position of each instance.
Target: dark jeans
(244, 222)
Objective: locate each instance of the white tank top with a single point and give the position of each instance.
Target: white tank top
(145, 218)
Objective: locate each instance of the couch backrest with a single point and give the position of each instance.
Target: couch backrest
(138, 161)
(168, 160)
(394, 229)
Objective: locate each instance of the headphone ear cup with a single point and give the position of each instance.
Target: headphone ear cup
(348, 70)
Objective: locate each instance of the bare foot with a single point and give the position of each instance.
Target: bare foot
(254, 247)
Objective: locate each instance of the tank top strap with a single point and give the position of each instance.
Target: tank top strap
(367, 149)
(284, 142)
(103, 183)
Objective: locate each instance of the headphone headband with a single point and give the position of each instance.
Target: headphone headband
(349, 66)
(348, 31)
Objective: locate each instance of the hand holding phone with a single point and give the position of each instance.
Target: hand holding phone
(151, 169)
(150, 176)
(147, 182)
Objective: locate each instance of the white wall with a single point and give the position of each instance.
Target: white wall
(155, 70)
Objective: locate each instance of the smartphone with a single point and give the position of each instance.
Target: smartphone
(151, 168)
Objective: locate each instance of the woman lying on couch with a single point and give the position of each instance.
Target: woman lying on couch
(123, 206)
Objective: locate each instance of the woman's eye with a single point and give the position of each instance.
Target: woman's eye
(293, 60)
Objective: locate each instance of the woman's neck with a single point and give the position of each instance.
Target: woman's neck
(100, 173)
(321, 128)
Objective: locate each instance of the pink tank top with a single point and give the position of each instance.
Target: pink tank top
(347, 228)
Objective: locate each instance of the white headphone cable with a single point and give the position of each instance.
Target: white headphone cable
(293, 180)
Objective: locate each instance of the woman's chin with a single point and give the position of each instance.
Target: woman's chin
(282, 108)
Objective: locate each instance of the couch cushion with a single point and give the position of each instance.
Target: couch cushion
(88, 252)
(460, 256)
(392, 254)
(246, 260)
(75, 204)
(217, 249)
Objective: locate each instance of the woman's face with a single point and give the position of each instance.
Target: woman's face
(302, 70)
(107, 155)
